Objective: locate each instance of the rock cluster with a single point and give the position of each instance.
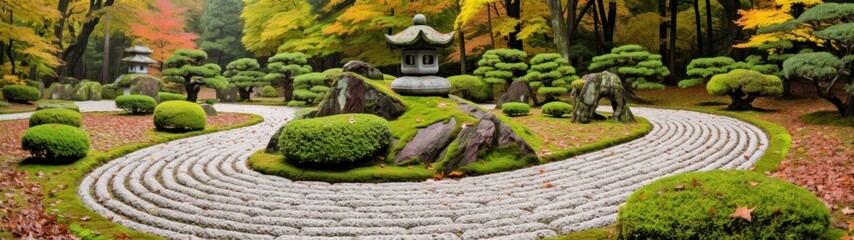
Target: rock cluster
(351, 94)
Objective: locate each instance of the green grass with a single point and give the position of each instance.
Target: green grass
(590, 234)
(828, 118)
(70, 175)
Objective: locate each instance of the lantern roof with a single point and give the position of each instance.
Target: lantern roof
(139, 59)
(419, 35)
(139, 49)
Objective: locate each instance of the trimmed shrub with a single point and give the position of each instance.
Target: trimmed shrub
(20, 94)
(50, 104)
(297, 103)
(699, 205)
(179, 116)
(56, 115)
(550, 74)
(269, 92)
(557, 109)
(136, 104)
(87, 90)
(515, 109)
(56, 141)
(166, 96)
(744, 86)
(469, 87)
(344, 138)
(109, 92)
(311, 87)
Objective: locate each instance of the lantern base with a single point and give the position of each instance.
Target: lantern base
(421, 86)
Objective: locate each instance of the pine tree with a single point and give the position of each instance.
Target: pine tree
(550, 74)
(244, 74)
(636, 67)
(283, 68)
(187, 67)
(223, 29)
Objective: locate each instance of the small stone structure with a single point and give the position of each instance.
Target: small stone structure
(598, 86)
(138, 59)
(420, 60)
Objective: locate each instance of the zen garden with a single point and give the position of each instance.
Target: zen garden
(427, 119)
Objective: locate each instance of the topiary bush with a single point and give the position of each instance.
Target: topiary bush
(165, 96)
(283, 68)
(338, 139)
(179, 116)
(515, 109)
(269, 92)
(50, 104)
(108, 91)
(56, 115)
(550, 74)
(469, 87)
(311, 87)
(136, 104)
(188, 68)
(500, 67)
(744, 86)
(699, 205)
(245, 74)
(56, 141)
(20, 94)
(557, 109)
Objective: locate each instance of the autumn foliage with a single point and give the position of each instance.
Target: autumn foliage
(722, 205)
(163, 30)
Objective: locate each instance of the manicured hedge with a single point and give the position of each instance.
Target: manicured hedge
(20, 94)
(699, 205)
(166, 96)
(57, 116)
(344, 138)
(136, 104)
(269, 92)
(557, 109)
(179, 116)
(469, 87)
(56, 142)
(514, 109)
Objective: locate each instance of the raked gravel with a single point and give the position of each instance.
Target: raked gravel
(200, 187)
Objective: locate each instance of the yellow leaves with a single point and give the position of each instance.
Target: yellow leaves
(803, 34)
(762, 17)
(503, 26)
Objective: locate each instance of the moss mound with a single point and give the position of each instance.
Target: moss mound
(20, 94)
(699, 206)
(344, 138)
(167, 96)
(56, 142)
(56, 115)
(136, 104)
(179, 116)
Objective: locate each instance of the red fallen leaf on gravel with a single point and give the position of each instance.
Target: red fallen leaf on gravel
(438, 176)
(542, 171)
(455, 174)
(548, 185)
(743, 213)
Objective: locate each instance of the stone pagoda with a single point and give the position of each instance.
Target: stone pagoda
(419, 59)
(138, 59)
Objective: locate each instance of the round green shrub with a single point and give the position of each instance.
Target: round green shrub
(469, 87)
(514, 109)
(557, 109)
(167, 96)
(49, 104)
(20, 94)
(56, 141)
(269, 92)
(57, 116)
(180, 116)
(136, 104)
(344, 138)
(699, 205)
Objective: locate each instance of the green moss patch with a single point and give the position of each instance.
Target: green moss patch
(275, 164)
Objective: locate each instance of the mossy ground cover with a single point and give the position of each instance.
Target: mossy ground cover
(59, 182)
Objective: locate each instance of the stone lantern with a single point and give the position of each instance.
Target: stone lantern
(138, 59)
(419, 59)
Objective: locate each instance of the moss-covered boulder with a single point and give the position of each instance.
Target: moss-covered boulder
(59, 91)
(145, 84)
(351, 93)
(87, 90)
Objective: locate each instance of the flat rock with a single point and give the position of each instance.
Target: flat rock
(209, 109)
(428, 143)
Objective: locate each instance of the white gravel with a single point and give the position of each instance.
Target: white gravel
(200, 187)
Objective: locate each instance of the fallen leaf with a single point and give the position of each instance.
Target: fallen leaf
(752, 183)
(845, 237)
(548, 185)
(695, 182)
(643, 196)
(850, 225)
(847, 211)
(712, 212)
(743, 212)
(542, 171)
(679, 187)
(455, 174)
(86, 218)
(438, 176)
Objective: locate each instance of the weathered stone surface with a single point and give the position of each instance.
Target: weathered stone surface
(428, 143)
(145, 85)
(471, 139)
(209, 109)
(364, 69)
(350, 94)
(61, 91)
(598, 86)
(87, 90)
(519, 91)
(421, 86)
(273, 143)
(227, 95)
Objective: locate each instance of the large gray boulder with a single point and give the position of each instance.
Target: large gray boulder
(227, 95)
(351, 94)
(598, 86)
(364, 69)
(145, 85)
(428, 143)
(59, 91)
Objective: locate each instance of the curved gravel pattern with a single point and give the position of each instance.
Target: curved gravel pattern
(200, 187)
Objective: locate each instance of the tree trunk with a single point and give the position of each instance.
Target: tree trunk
(489, 25)
(288, 86)
(609, 24)
(72, 54)
(105, 64)
(561, 33)
(514, 10)
(710, 46)
(671, 57)
(699, 25)
(192, 90)
(842, 107)
(740, 102)
(662, 28)
(849, 106)
(731, 8)
(59, 29)
(244, 93)
(11, 58)
(596, 36)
